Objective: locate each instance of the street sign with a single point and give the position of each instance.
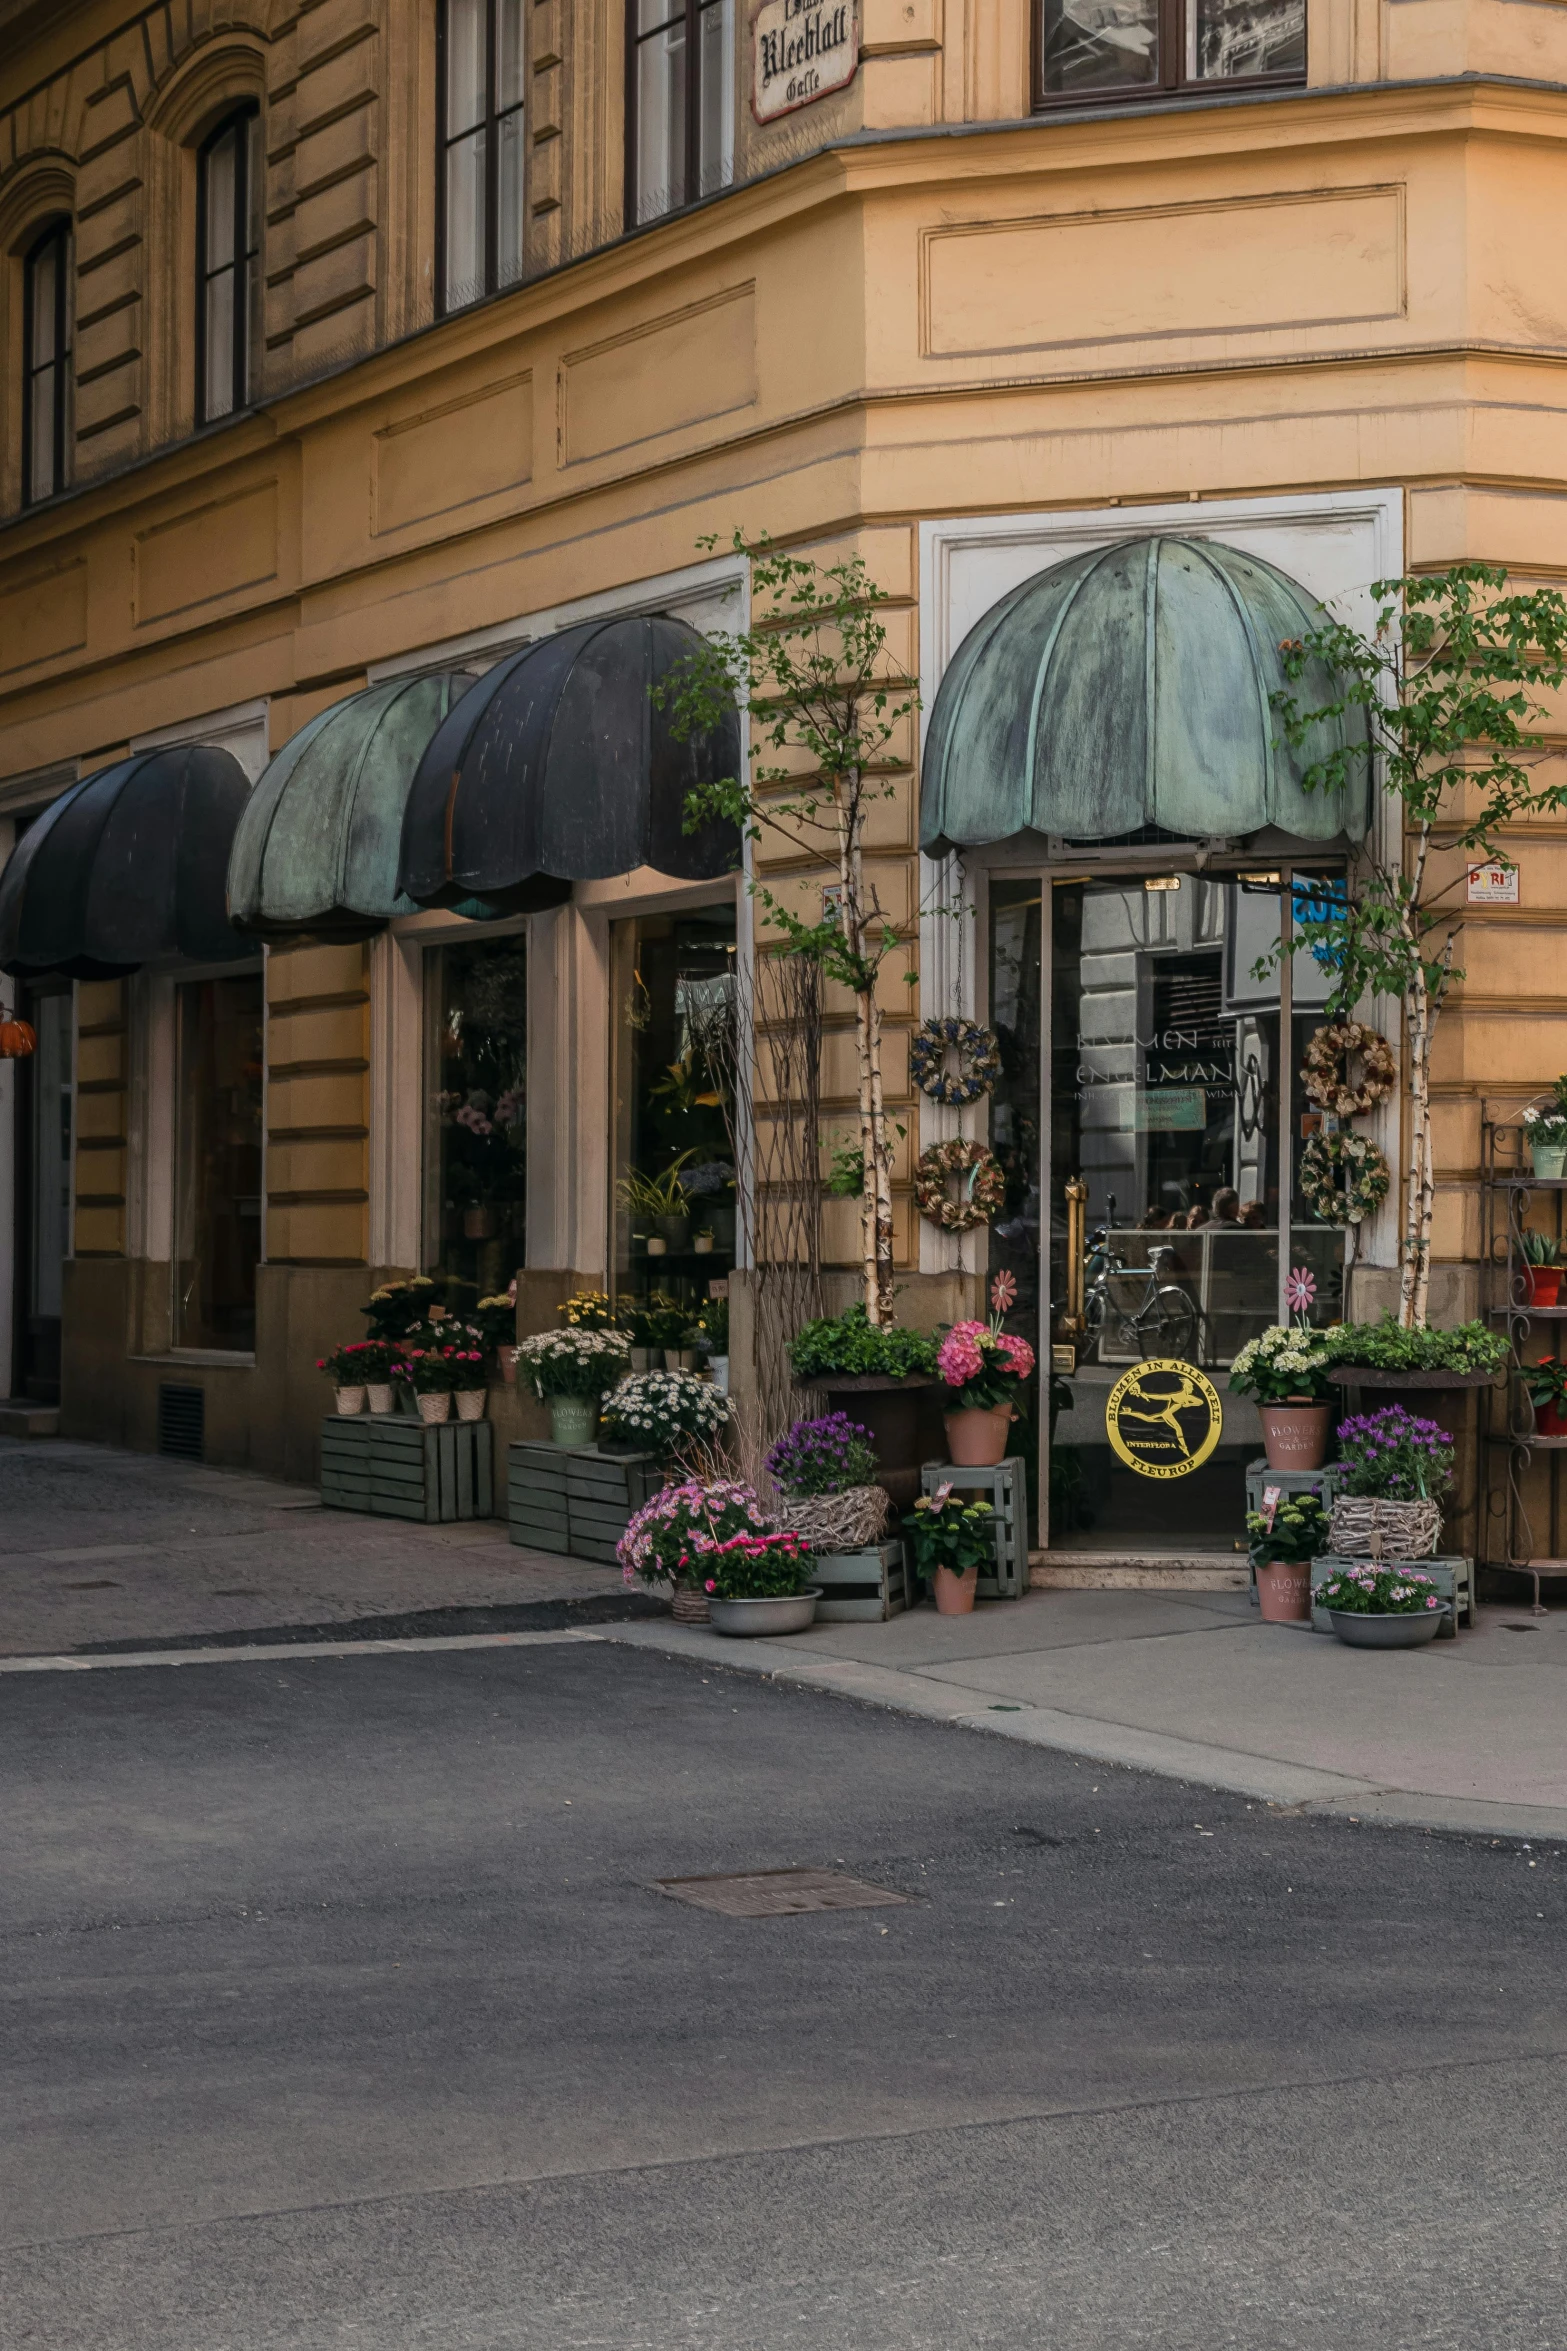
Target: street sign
(803, 50)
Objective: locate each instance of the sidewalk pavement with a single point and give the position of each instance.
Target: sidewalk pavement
(102, 1546)
(1467, 1734)
(130, 1551)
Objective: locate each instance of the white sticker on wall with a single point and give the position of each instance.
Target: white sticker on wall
(1493, 885)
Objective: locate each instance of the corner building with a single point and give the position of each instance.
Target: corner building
(348, 348)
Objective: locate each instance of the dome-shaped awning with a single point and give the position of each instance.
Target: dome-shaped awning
(1130, 687)
(558, 768)
(317, 847)
(127, 868)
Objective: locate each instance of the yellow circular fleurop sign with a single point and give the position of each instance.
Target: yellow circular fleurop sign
(1164, 1418)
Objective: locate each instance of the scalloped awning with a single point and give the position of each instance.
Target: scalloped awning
(1127, 687)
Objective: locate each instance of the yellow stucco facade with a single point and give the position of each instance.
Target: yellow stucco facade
(918, 306)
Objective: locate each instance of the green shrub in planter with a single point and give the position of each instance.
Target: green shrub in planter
(851, 1345)
(1386, 1346)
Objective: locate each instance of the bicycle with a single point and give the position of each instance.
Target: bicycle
(1164, 1321)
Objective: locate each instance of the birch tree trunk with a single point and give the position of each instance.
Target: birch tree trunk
(1414, 1270)
(875, 1179)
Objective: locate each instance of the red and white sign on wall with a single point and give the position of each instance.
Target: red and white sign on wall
(804, 49)
(1493, 885)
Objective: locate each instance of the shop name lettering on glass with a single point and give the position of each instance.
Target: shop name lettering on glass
(1182, 1067)
(804, 50)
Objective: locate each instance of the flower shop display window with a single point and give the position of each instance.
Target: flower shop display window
(674, 1205)
(219, 1032)
(476, 1134)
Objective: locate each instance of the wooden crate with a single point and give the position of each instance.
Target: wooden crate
(575, 1498)
(394, 1467)
(861, 1587)
(1005, 1488)
(1453, 1578)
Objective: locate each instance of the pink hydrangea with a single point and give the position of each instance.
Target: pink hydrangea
(959, 1358)
(1018, 1352)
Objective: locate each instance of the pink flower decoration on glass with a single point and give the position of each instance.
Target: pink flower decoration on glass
(1299, 1290)
(1003, 1293)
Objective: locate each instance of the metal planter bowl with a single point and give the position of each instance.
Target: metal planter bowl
(749, 1618)
(1387, 1632)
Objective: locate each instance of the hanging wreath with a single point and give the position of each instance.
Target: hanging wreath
(1326, 1072)
(980, 1195)
(979, 1061)
(1343, 1178)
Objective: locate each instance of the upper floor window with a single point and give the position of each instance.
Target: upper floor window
(46, 365)
(680, 110)
(481, 88)
(1126, 48)
(228, 245)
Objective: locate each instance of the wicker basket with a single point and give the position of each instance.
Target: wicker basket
(837, 1522)
(1365, 1527)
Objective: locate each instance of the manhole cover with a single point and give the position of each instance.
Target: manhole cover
(776, 1893)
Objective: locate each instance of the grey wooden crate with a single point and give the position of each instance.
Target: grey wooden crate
(1452, 1576)
(861, 1587)
(398, 1468)
(1005, 1488)
(575, 1498)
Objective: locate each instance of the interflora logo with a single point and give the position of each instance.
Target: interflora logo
(804, 50)
(1164, 1418)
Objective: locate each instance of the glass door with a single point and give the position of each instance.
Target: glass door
(43, 1166)
(1162, 1152)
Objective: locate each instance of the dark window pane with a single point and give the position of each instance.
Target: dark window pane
(716, 66)
(222, 164)
(509, 225)
(661, 122)
(1232, 38)
(217, 1205)
(219, 349)
(510, 87)
(476, 1134)
(46, 284)
(1099, 45)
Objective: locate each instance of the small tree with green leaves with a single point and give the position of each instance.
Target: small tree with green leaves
(1448, 687)
(825, 701)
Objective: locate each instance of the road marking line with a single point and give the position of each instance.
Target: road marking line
(257, 1651)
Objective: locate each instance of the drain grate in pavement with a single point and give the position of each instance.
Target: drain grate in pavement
(779, 1893)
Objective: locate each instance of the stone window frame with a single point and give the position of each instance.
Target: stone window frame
(242, 121)
(56, 233)
(1174, 25)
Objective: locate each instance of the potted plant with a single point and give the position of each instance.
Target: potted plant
(759, 1584)
(345, 1369)
(702, 1241)
(470, 1384)
(1286, 1368)
(825, 1470)
(375, 1358)
(1545, 1136)
(662, 1539)
(636, 1322)
(887, 1372)
(571, 1371)
(670, 1413)
(952, 1541)
(1542, 1275)
(428, 1375)
(987, 1367)
(397, 1307)
(1397, 1469)
(1376, 1607)
(1284, 1542)
(496, 1317)
(660, 1203)
(1546, 1384)
(713, 1324)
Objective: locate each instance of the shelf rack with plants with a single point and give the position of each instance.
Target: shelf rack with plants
(1515, 1204)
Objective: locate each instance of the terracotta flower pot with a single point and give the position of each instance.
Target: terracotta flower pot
(1550, 1420)
(434, 1409)
(507, 1358)
(382, 1395)
(955, 1593)
(1284, 1590)
(471, 1403)
(350, 1401)
(977, 1439)
(1542, 1285)
(1295, 1436)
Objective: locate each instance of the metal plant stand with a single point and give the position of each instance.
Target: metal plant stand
(1509, 1192)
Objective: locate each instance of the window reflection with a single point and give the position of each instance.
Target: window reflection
(219, 1029)
(476, 1132)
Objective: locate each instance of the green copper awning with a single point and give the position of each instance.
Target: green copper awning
(318, 843)
(1130, 687)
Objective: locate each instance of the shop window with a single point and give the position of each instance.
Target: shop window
(46, 367)
(680, 112)
(228, 246)
(1106, 49)
(476, 1134)
(480, 103)
(675, 1207)
(219, 1032)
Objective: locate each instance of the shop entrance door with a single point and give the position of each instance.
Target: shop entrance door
(43, 1191)
(1161, 1131)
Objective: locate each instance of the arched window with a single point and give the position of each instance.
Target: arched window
(481, 88)
(46, 362)
(228, 251)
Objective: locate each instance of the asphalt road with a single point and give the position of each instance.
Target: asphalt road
(339, 2010)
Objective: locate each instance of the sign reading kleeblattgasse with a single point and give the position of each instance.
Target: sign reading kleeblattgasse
(804, 49)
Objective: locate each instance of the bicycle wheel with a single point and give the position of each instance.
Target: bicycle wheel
(1175, 1325)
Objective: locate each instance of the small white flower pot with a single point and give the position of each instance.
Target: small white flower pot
(350, 1401)
(471, 1403)
(382, 1396)
(434, 1409)
(657, 1246)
